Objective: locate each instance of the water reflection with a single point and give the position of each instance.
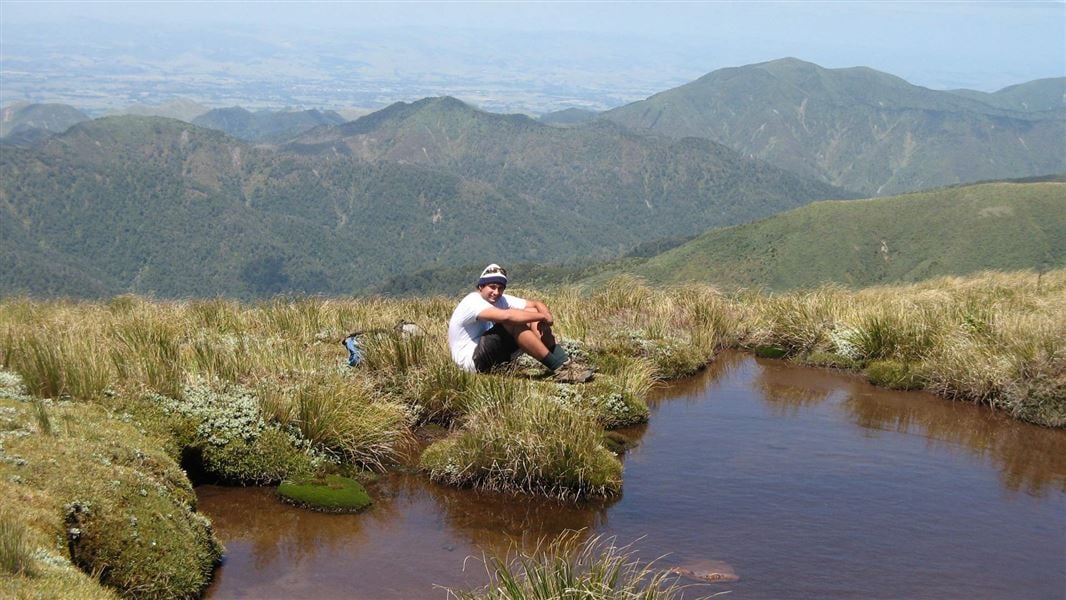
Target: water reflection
(693, 389)
(496, 522)
(1029, 458)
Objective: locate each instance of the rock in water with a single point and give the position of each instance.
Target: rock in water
(707, 571)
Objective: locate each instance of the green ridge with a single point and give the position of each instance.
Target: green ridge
(951, 231)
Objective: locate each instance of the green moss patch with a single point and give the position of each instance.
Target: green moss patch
(331, 493)
(829, 359)
(770, 352)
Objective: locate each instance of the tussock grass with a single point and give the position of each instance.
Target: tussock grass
(148, 350)
(518, 441)
(395, 354)
(338, 415)
(16, 556)
(444, 392)
(44, 420)
(56, 361)
(569, 568)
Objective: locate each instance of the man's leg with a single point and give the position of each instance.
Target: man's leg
(538, 341)
(531, 339)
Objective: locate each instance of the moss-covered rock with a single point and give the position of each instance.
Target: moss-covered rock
(221, 435)
(331, 493)
(269, 458)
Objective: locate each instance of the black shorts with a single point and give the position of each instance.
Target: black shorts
(494, 348)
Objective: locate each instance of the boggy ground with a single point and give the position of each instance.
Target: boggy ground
(102, 401)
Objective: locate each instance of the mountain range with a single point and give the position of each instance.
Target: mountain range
(158, 206)
(260, 203)
(861, 129)
(22, 124)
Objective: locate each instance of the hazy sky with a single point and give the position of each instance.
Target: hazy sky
(980, 45)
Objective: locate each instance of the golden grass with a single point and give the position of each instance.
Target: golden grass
(993, 338)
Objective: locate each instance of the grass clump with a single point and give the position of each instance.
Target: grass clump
(338, 416)
(58, 362)
(993, 338)
(16, 557)
(331, 493)
(527, 444)
(894, 374)
(569, 568)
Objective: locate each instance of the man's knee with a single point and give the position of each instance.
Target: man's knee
(515, 328)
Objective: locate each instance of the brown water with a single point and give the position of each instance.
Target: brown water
(807, 483)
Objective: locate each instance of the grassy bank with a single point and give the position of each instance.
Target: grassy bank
(91, 498)
(129, 389)
(995, 339)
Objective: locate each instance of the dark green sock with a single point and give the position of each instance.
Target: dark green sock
(555, 358)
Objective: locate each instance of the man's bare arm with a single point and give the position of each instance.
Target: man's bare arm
(511, 315)
(542, 308)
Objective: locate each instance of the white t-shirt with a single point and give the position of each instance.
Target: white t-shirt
(464, 330)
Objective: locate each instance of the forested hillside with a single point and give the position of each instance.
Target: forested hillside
(633, 183)
(158, 206)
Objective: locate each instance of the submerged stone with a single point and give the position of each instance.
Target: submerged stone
(706, 571)
(331, 493)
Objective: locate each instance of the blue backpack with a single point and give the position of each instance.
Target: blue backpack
(355, 353)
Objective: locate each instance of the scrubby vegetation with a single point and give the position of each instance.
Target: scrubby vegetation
(123, 392)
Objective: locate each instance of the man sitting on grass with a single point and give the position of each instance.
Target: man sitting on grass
(490, 328)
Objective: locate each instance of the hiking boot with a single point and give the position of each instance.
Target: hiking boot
(572, 372)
